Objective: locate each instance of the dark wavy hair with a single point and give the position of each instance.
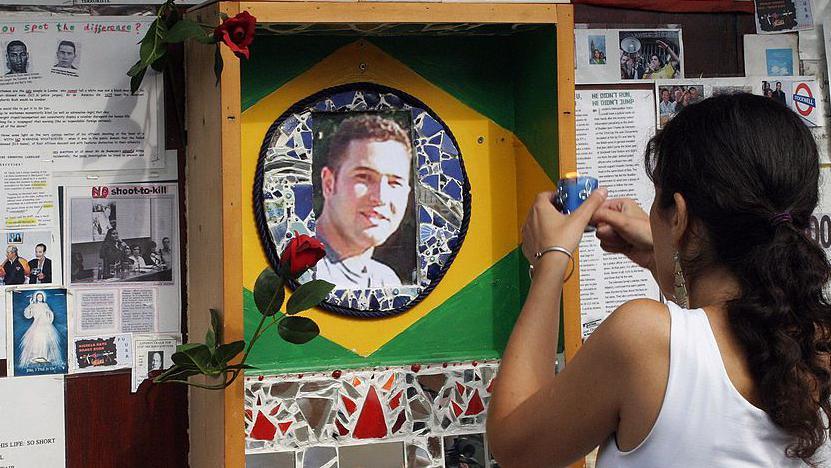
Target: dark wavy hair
(739, 161)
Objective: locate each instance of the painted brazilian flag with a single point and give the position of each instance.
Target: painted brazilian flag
(498, 95)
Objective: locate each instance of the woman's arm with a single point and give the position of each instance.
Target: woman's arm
(539, 419)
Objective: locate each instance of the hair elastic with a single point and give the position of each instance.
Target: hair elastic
(779, 218)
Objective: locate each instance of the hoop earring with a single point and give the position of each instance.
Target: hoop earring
(680, 284)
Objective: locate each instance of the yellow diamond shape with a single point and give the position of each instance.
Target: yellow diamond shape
(494, 160)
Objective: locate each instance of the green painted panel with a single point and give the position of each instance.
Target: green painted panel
(473, 324)
(535, 95)
(474, 69)
(275, 60)
(273, 355)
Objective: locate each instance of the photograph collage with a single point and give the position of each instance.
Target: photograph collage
(92, 261)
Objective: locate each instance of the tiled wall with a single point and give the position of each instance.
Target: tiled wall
(413, 416)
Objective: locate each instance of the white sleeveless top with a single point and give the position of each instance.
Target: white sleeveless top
(704, 421)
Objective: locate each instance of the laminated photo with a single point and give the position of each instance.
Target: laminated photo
(38, 321)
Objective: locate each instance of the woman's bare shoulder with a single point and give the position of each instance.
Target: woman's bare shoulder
(636, 327)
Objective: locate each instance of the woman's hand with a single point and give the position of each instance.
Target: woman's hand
(623, 227)
(546, 227)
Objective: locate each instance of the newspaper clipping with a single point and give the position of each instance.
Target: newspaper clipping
(613, 127)
(122, 242)
(152, 353)
(61, 105)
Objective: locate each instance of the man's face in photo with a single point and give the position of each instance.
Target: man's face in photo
(66, 55)
(367, 198)
(39, 252)
(778, 86)
(17, 58)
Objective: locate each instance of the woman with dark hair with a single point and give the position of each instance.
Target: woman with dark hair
(733, 371)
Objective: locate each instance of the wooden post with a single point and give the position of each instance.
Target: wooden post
(214, 250)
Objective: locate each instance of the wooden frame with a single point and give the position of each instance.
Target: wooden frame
(214, 191)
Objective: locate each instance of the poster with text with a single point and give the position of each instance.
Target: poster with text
(65, 97)
(100, 353)
(38, 322)
(778, 16)
(613, 128)
(122, 242)
(33, 431)
(627, 55)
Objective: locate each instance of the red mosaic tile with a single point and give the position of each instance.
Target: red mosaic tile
(371, 423)
(475, 406)
(263, 428)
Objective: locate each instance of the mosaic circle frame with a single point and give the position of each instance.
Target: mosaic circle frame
(440, 186)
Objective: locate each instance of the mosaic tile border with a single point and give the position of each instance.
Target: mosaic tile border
(353, 407)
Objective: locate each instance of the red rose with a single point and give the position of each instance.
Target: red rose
(302, 253)
(237, 33)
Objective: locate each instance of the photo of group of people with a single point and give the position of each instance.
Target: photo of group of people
(18, 58)
(26, 259)
(775, 91)
(650, 55)
(672, 99)
(121, 240)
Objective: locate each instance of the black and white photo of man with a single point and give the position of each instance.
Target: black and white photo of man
(66, 55)
(17, 57)
(155, 360)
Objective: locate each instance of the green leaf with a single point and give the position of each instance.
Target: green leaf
(153, 45)
(269, 292)
(176, 372)
(240, 366)
(210, 339)
(184, 29)
(200, 356)
(229, 351)
(135, 81)
(160, 63)
(186, 346)
(298, 330)
(218, 64)
(308, 295)
(216, 325)
(136, 69)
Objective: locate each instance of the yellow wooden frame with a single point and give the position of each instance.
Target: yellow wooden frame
(213, 192)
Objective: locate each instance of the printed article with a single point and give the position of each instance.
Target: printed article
(152, 353)
(61, 104)
(613, 127)
(122, 243)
